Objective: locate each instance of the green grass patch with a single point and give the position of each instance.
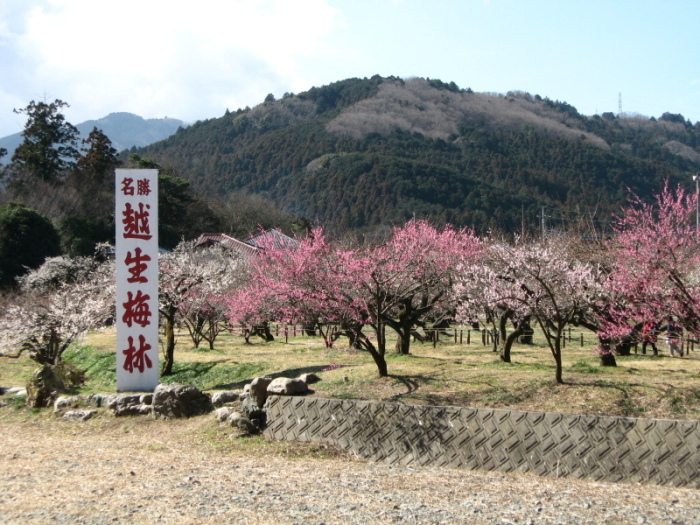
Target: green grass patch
(99, 367)
(583, 367)
(214, 376)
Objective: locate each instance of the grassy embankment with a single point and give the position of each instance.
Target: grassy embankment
(448, 373)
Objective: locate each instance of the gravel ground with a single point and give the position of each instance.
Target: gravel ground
(144, 471)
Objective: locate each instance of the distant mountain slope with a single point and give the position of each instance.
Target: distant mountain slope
(125, 130)
(364, 153)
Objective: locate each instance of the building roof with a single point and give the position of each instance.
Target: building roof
(226, 241)
(272, 239)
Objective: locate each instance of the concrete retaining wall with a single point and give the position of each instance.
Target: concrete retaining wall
(588, 447)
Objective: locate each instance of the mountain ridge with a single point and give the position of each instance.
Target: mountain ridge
(125, 130)
(362, 154)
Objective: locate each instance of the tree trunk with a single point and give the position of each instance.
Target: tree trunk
(607, 359)
(381, 363)
(376, 352)
(559, 376)
(527, 333)
(169, 317)
(403, 328)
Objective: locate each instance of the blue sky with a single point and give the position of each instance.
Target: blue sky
(194, 60)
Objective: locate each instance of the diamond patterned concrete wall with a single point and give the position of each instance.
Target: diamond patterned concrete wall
(591, 447)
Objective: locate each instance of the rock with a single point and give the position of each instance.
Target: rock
(16, 391)
(146, 399)
(180, 401)
(222, 414)
(44, 387)
(65, 402)
(121, 402)
(243, 423)
(97, 400)
(285, 386)
(246, 389)
(133, 410)
(258, 390)
(235, 416)
(251, 408)
(309, 379)
(224, 396)
(79, 415)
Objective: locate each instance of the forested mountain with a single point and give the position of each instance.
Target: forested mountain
(362, 153)
(125, 130)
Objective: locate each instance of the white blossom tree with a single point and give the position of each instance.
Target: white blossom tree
(188, 277)
(541, 281)
(485, 291)
(58, 303)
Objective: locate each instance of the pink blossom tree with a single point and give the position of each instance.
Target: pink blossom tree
(395, 284)
(203, 308)
(656, 261)
(407, 280)
(304, 285)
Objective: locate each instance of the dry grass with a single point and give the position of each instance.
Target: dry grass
(448, 373)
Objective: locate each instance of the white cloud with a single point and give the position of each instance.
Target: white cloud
(158, 57)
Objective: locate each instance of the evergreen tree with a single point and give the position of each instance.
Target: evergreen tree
(98, 159)
(26, 239)
(49, 146)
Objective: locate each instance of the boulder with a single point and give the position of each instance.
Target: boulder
(285, 386)
(79, 415)
(222, 414)
(44, 387)
(133, 410)
(146, 399)
(258, 390)
(121, 403)
(243, 423)
(97, 400)
(66, 402)
(222, 397)
(16, 391)
(180, 401)
(251, 408)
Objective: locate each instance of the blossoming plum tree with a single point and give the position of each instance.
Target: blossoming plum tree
(395, 284)
(485, 290)
(185, 276)
(58, 303)
(540, 281)
(656, 264)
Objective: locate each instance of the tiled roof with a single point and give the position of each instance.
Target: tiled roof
(211, 239)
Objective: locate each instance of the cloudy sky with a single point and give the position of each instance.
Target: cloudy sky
(193, 60)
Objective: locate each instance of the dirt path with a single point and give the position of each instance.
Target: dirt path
(141, 471)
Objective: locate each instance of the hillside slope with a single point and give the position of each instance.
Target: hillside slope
(362, 153)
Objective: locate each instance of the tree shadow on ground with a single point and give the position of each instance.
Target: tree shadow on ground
(412, 384)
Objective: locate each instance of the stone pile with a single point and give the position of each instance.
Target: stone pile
(241, 410)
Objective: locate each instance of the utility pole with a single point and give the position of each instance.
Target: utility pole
(543, 224)
(696, 178)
